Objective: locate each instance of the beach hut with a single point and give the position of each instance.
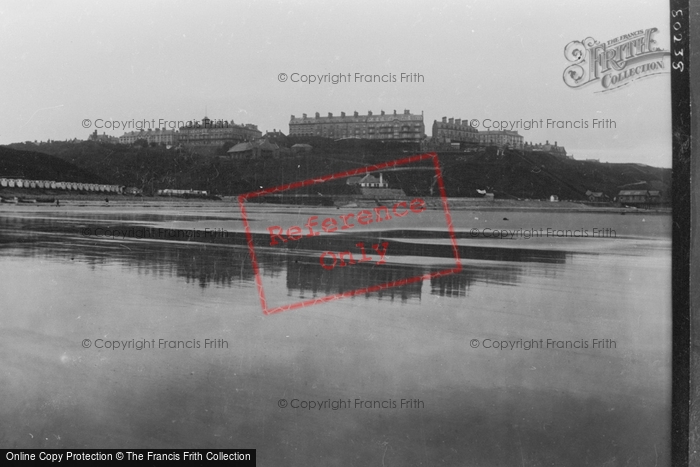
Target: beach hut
(133, 191)
(18, 183)
(3, 182)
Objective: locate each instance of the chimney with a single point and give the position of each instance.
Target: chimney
(330, 114)
(369, 113)
(452, 120)
(318, 115)
(555, 143)
(304, 115)
(406, 112)
(382, 112)
(394, 111)
(444, 119)
(355, 113)
(342, 114)
(458, 121)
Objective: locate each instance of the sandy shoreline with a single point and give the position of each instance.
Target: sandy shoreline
(454, 204)
(498, 224)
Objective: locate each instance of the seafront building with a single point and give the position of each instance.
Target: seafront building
(550, 148)
(157, 136)
(501, 138)
(195, 133)
(454, 131)
(404, 127)
(104, 137)
(401, 127)
(210, 132)
(639, 197)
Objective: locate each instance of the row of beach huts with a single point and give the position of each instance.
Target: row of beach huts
(66, 186)
(172, 192)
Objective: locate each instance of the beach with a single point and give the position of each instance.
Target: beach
(541, 349)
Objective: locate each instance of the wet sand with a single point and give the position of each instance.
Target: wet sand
(481, 406)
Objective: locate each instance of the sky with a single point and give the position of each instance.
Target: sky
(66, 62)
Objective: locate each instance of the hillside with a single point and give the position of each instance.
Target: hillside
(521, 175)
(39, 166)
(513, 175)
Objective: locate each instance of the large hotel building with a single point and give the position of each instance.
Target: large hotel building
(205, 133)
(404, 127)
(211, 132)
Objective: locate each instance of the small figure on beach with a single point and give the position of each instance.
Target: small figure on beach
(107, 200)
(58, 203)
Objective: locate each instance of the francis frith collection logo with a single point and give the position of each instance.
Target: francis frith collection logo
(615, 63)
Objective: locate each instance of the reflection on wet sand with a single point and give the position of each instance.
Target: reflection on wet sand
(225, 260)
(208, 265)
(305, 276)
